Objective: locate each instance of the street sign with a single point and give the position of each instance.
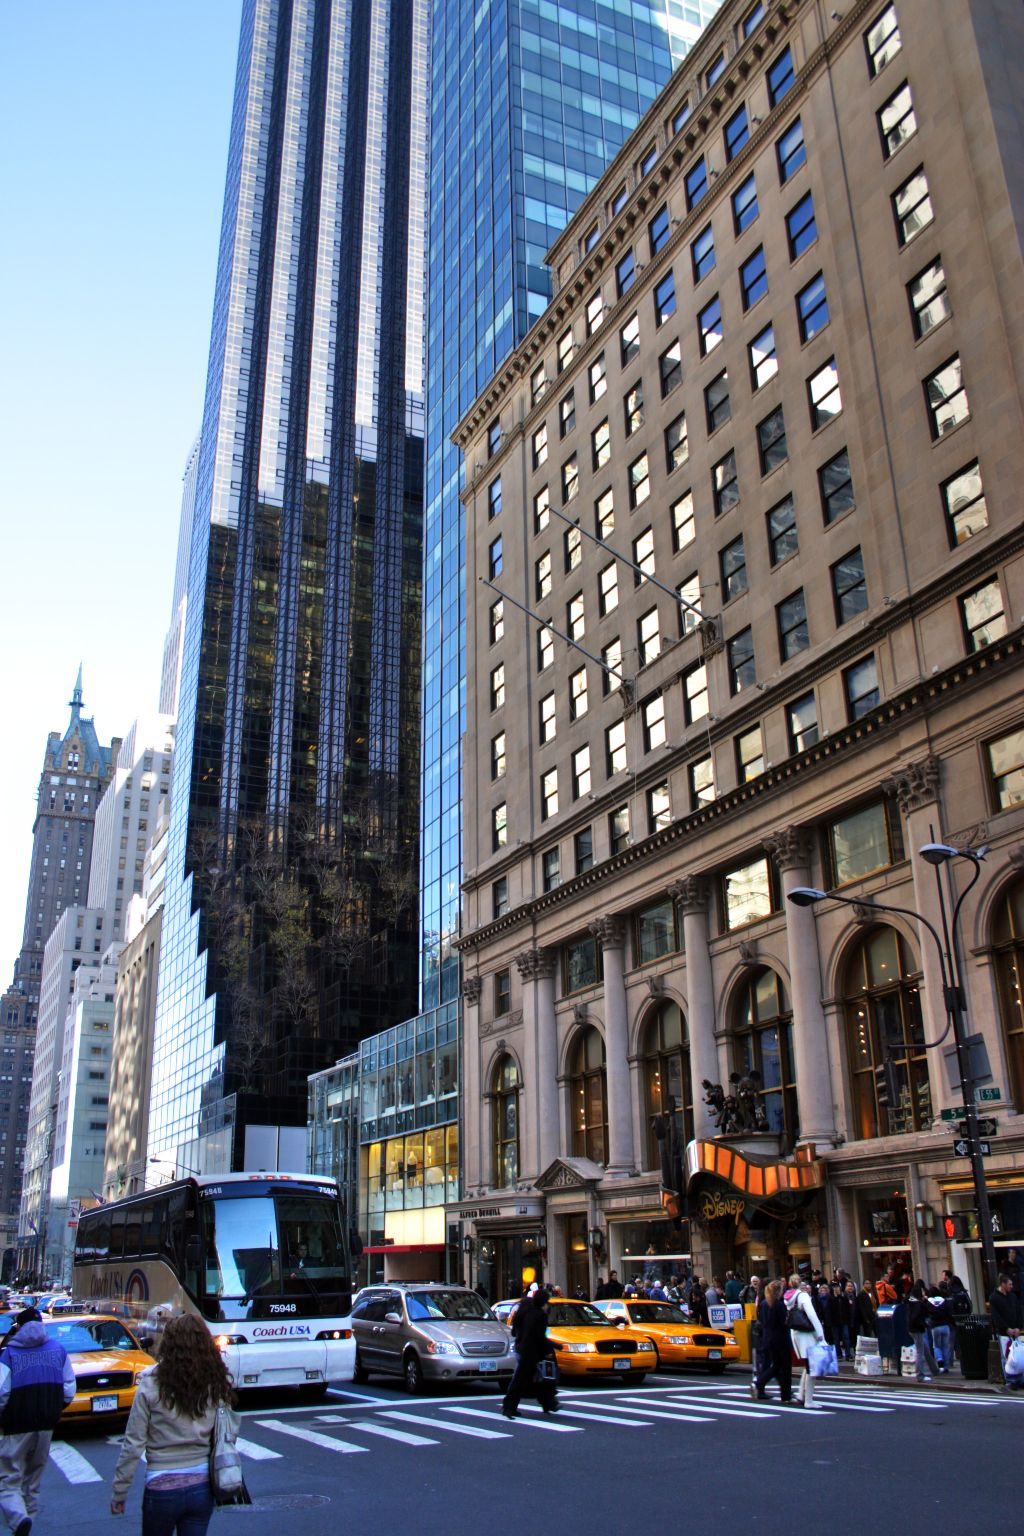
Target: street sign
(950, 1114)
(985, 1128)
(988, 1095)
(962, 1147)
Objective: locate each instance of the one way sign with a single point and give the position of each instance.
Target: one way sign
(962, 1147)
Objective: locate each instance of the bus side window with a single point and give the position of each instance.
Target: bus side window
(100, 1236)
(116, 1234)
(132, 1232)
(151, 1224)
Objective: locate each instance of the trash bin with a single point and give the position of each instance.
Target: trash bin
(972, 1337)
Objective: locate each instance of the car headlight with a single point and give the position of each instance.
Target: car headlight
(441, 1347)
(645, 1344)
(580, 1349)
(677, 1338)
(730, 1338)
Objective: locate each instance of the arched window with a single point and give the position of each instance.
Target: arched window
(505, 1096)
(666, 1076)
(764, 1044)
(885, 1039)
(1008, 940)
(588, 1097)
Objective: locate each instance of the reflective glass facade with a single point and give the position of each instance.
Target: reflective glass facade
(289, 927)
(529, 102)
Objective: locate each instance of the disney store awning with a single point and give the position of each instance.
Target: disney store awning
(722, 1181)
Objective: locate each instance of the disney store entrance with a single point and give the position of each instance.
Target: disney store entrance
(748, 1213)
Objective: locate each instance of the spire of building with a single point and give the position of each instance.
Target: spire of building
(76, 697)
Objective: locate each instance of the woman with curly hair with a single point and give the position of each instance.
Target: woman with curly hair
(171, 1421)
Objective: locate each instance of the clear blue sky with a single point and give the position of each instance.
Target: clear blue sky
(114, 118)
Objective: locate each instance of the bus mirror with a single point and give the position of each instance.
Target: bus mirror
(193, 1252)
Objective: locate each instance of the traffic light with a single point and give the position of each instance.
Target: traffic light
(957, 1226)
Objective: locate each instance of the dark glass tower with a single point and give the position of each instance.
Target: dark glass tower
(289, 925)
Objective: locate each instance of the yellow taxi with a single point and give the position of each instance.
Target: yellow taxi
(676, 1339)
(107, 1361)
(588, 1343)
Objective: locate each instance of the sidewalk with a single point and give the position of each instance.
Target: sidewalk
(952, 1382)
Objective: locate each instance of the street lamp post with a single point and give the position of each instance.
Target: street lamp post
(954, 1001)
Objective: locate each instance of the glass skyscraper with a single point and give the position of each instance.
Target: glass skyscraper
(529, 102)
(289, 925)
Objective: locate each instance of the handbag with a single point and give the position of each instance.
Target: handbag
(822, 1360)
(546, 1370)
(1013, 1365)
(226, 1480)
(797, 1320)
(908, 1354)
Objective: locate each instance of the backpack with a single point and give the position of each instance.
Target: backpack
(797, 1320)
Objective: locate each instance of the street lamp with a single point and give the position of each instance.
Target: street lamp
(954, 1001)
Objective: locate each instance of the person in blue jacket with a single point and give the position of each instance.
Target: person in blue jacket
(36, 1384)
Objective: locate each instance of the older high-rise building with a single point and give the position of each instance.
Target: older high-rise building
(743, 623)
(288, 929)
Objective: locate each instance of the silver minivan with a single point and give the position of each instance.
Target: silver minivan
(428, 1332)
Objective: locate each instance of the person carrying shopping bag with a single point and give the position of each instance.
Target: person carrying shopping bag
(176, 1407)
(804, 1330)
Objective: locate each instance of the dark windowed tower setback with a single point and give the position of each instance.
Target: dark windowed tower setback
(288, 931)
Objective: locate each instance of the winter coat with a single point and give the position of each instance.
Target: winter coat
(37, 1381)
(865, 1314)
(774, 1327)
(802, 1340)
(169, 1440)
(1007, 1311)
(533, 1343)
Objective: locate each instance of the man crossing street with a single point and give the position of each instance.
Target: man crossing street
(36, 1384)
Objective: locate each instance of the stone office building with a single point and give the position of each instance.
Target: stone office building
(744, 598)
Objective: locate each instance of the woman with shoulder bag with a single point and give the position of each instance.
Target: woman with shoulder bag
(918, 1326)
(174, 1416)
(804, 1330)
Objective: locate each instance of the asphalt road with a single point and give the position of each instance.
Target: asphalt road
(686, 1449)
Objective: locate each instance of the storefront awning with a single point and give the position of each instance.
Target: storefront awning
(722, 1181)
(405, 1248)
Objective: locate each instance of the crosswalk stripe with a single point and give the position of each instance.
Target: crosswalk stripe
(484, 1413)
(590, 1416)
(715, 1405)
(326, 1442)
(389, 1433)
(257, 1452)
(453, 1429)
(664, 1413)
(72, 1463)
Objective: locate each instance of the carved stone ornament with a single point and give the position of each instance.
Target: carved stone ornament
(748, 952)
(790, 847)
(710, 630)
(655, 985)
(864, 915)
(534, 964)
(609, 932)
(579, 1013)
(472, 987)
(692, 893)
(915, 785)
(1016, 856)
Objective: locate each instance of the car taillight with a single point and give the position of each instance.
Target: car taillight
(335, 1333)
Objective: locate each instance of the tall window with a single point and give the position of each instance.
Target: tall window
(885, 1039)
(597, 374)
(588, 1097)
(780, 77)
(964, 499)
(505, 1099)
(896, 121)
(946, 398)
(882, 41)
(790, 151)
(667, 1082)
(1008, 958)
(744, 204)
(764, 1045)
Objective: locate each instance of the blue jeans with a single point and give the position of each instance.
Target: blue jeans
(184, 1510)
(942, 1345)
(925, 1362)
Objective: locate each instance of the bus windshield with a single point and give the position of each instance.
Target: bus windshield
(257, 1248)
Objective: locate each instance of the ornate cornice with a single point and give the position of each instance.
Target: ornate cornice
(472, 986)
(790, 847)
(535, 964)
(916, 784)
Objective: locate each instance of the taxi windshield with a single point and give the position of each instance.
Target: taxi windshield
(87, 1338)
(655, 1312)
(445, 1306)
(578, 1314)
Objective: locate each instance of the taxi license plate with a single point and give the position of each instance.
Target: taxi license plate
(621, 1365)
(714, 1354)
(105, 1404)
(488, 1365)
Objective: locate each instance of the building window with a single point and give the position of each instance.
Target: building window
(752, 19)
(649, 161)
(802, 722)
(744, 205)
(598, 377)
(749, 893)
(591, 238)
(715, 70)
(639, 481)
(633, 408)
(505, 1106)
(981, 612)
(570, 478)
(498, 757)
(643, 556)
(653, 710)
(540, 446)
(709, 326)
(771, 441)
(581, 772)
(695, 693)
(725, 483)
(790, 151)
(538, 383)
(494, 497)
(658, 230)
(575, 621)
(548, 720)
(551, 869)
(618, 829)
(625, 273)
(749, 755)
(629, 340)
(595, 312)
(545, 648)
(860, 685)
(549, 794)
(791, 619)
(780, 77)
(929, 299)
(583, 850)
(496, 621)
(670, 368)
(659, 808)
(690, 604)
(801, 227)
(863, 841)
(740, 651)
(753, 279)
(966, 508)
(717, 404)
(588, 1097)
(541, 509)
(499, 827)
(683, 532)
(702, 254)
(764, 1052)
(502, 993)
(882, 41)
(1006, 770)
(494, 560)
(619, 198)
(912, 207)
(600, 445)
(567, 413)
(885, 1040)
(680, 116)
(615, 748)
(946, 397)
(702, 782)
(764, 364)
(604, 515)
(608, 589)
(493, 438)
(812, 308)
(611, 657)
(572, 541)
(578, 694)
(896, 121)
(542, 576)
(565, 349)
(664, 299)
(666, 1058)
(498, 686)
(499, 897)
(836, 486)
(677, 444)
(732, 562)
(696, 184)
(824, 395)
(849, 587)
(737, 132)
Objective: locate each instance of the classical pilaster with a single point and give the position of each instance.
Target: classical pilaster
(610, 934)
(539, 1142)
(692, 894)
(790, 847)
(476, 1140)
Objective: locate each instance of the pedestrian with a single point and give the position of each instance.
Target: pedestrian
(534, 1346)
(613, 1286)
(1007, 1314)
(803, 1333)
(698, 1304)
(171, 1424)
(751, 1292)
(1010, 1266)
(824, 1306)
(733, 1286)
(866, 1312)
(713, 1294)
(845, 1295)
(941, 1334)
(36, 1384)
(919, 1328)
(886, 1292)
(774, 1357)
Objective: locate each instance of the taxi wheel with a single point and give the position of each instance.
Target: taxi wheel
(412, 1373)
(360, 1375)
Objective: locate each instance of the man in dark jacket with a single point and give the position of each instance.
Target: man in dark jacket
(532, 1346)
(1007, 1314)
(36, 1384)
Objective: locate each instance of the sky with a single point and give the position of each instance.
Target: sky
(114, 119)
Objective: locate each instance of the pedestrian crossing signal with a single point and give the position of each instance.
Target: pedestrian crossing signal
(957, 1226)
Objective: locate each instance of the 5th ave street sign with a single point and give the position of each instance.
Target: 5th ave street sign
(962, 1147)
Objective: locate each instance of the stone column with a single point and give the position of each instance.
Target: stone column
(609, 933)
(693, 895)
(539, 1134)
(791, 849)
(475, 1131)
